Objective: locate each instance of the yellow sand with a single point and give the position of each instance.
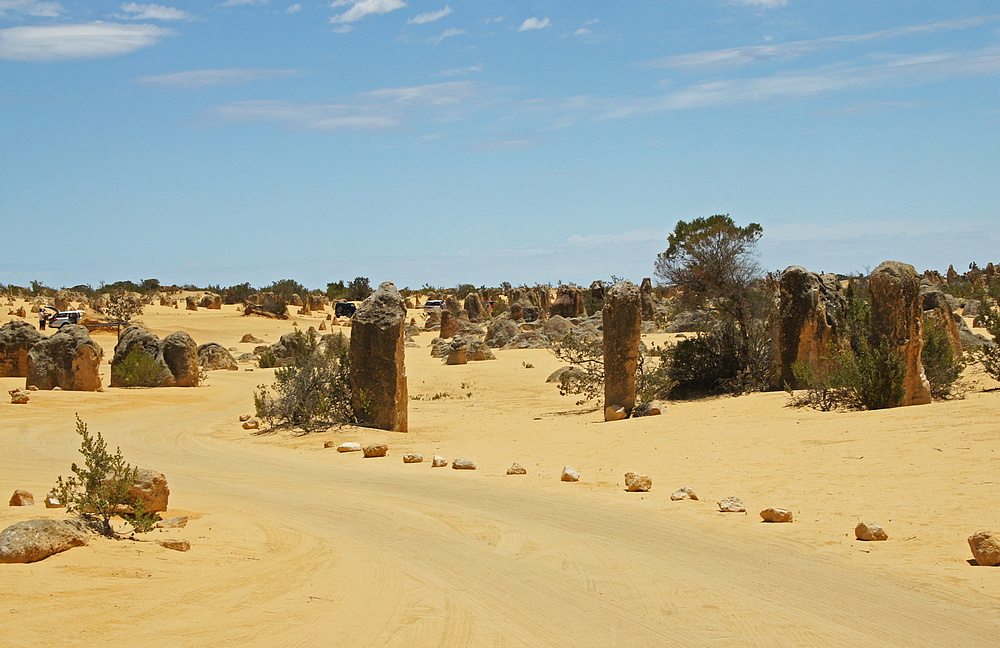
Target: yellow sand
(296, 545)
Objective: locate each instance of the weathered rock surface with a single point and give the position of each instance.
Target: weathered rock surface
(569, 302)
(191, 303)
(252, 423)
(458, 352)
(350, 446)
(463, 464)
(622, 316)
(569, 474)
(870, 532)
(439, 462)
(646, 300)
(19, 396)
(213, 356)
(691, 321)
(500, 332)
(174, 544)
(732, 504)
(178, 522)
(51, 501)
(516, 469)
(773, 514)
(17, 337)
(151, 488)
(683, 493)
(478, 351)
(176, 355)
(413, 457)
(474, 307)
(376, 450)
(212, 302)
(22, 498)
(898, 317)
(449, 324)
(67, 360)
(985, 547)
(635, 483)
(249, 338)
(378, 375)
(807, 322)
(33, 540)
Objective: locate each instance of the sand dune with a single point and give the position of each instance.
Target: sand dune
(297, 545)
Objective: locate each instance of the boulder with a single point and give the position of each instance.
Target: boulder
(51, 501)
(569, 302)
(17, 338)
(500, 332)
(516, 469)
(249, 338)
(646, 300)
(178, 522)
(691, 322)
(683, 493)
(635, 483)
(191, 303)
(212, 302)
(33, 540)
(458, 352)
(151, 488)
(569, 474)
(732, 504)
(807, 322)
(478, 351)
(870, 532)
(19, 396)
(776, 515)
(176, 356)
(67, 360)
(22, 498)
(449, 324)
(597, 290)
(174, 544)
(180, 353)
(463, 464)
(376, 450)
(413, 457)
(898, 317)
(378, 375)
(985, 547)
(622, 316)
(439, 462)
(474, 307)
(529, 340)
(213, 356)
(516, 311)
(349, 446)
(557, 327)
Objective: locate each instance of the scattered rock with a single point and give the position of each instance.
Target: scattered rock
(51, 501)
(413, 457)
(439, 462)
(569, 474)
(175, 544)
(684, 493)
(652, 408)
(463, 464)
(251, 424)
(615, 413)
(213, 356)
(635, 483)
(249, 338)
(34, 540)
(245, 417)
(178, 522)
(376, 450)
(150, 487)
(517, 469)
(985, 547)
(350, 446)
(776, 515)
(329, 443)
(19, 396)
(870, 532)
(732, 504)
(22, 498)
(501, 332)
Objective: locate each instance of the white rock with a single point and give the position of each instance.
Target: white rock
(376, 450)
(517, 469)
(684, 493)
(412, 457)
(439, 462)
(732, 504)
(773, 514)
(350, 446)
(870, 532)
(635, 483)
(463, 464)
(569, 474)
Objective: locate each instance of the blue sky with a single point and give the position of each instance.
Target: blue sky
(480, 142)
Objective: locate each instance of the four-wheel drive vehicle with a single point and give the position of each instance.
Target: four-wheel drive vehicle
(431, 304)
(65, 317)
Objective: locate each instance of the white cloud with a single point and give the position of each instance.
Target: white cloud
(342, 29)
(534, 23)
(583, 31)
(295, 8)
(430, 16)
(237, 3)
(736, 57)
(153, 12)
(493, 20)
(763, 4)
(461, 71)
(209, 78)
(31, 7)
(508, 144)
(89, 40)
(447, 34)
(365, 8)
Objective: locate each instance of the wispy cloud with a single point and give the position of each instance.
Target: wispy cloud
(210, 78)
(763, 4)
(430, 16)
(874, 106)
(737, 57)
(64, 42)
(534, 23)
(135, 11)
(487, 21)
(505, 144)
(461, 71)
(31, 7)
(364, 8)
(295, 8)
(237, 3)
(448, 33)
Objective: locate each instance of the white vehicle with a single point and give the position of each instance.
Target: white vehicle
(65, 317)
(434, 303)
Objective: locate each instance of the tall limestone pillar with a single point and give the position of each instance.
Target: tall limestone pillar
(806, 322)
(378, 377)
(622, 330)
(898, 316)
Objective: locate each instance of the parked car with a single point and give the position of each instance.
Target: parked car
(65, 317)
(431, 304)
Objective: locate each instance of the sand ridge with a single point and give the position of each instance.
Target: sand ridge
(294, 544)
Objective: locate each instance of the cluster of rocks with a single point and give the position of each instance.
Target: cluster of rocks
(176, 356)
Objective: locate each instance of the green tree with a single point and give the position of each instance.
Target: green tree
(359, 289)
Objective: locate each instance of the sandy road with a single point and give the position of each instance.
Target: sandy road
(306, 548)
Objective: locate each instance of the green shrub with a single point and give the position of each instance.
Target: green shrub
(941, 366)
(313, 392)
(99, 489)
(988, 356)
(138, 370)
(872, 377)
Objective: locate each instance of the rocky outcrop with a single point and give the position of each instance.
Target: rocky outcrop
(985, 547)
(211, 301)
(732, 504)
(67, 360)
(474, 307)
(898, 317)
(176, 356)
(569, 302)
(458, 352)
(622, 331)
(646, 298)
(191, 303)
(938, 314)
(213, 356)
(449, 324)
(635, 483)
(500, 332)
(16, 340)
(378, 375)
(597, 290)
(870, 532)
(807, 322)
(33, 540)
(149, 487)
(773, 514)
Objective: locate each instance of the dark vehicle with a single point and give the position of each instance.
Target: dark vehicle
(344, 309)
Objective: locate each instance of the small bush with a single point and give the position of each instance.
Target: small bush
(988, 356)
(313, 392)
(873, 377)
(123, 306)
(99, 489)
(942, 368)
(138, 370)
